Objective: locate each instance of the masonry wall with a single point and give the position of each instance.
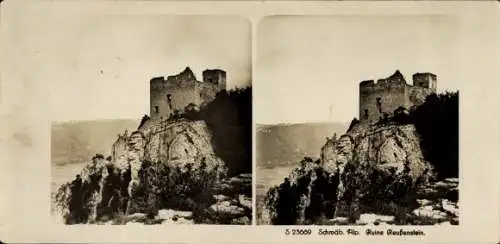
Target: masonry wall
(386, 95)
(178, 91)
(391, 95)
(215, 76)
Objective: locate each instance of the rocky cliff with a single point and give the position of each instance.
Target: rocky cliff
(166, 172)
(370, 170)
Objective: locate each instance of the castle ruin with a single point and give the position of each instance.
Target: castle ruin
(183, 91)
(171, 97)
(382, 97)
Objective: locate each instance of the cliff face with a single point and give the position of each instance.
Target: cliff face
(100, 189)
(386, 148)
(370, 169)
(179, 143)
(168, 166)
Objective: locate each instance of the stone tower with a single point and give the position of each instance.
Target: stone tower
(215, 76)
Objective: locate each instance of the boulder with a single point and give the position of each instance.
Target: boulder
(245, 201)
(220, 197)
(374, 218)
(450, 207)
(169, 214)
(429, 211)
(241, 221)
(424, 202)
(226, 208)
(235, 186)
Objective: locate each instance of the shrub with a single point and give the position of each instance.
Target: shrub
(163, 186)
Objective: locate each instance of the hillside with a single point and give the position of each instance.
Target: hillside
(78, 141)
(283, 144)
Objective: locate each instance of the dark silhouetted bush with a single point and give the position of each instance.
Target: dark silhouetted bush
(164, 186)
(229, 117)
(401, 116)
(436, 120)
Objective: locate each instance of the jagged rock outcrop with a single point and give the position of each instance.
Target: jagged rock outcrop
(99, 191)
(370, 169)
(167, 167)
(306, 195)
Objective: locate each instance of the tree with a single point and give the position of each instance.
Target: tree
(436, 120)
(229, 117)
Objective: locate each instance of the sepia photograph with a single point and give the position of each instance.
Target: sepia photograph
(152, 120)
(360, 124)
(256, 122)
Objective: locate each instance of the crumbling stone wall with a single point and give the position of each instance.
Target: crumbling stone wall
(386, 95)
(172, 95)
(383, 96)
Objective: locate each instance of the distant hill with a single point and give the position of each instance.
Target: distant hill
(283, 144)
(77, 141)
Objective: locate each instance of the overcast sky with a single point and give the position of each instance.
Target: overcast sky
(99, 66)
(308, 68)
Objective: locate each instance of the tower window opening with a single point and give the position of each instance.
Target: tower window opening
(379, 104)
(157, 109)
(169, 101)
